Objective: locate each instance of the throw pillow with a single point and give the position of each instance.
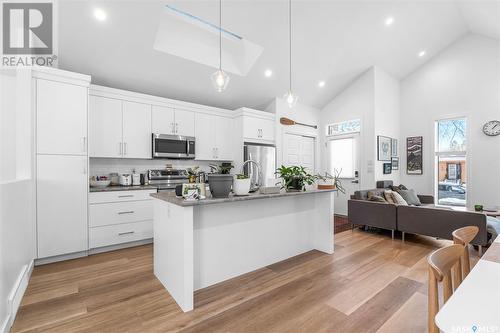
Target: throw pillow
(399, 187)
(388, 197)
(410, 197)
(377, 198)
(398, 199)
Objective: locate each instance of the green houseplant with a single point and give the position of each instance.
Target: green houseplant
(295, 177)
(331, 181)
(241, 184)
(193, 173)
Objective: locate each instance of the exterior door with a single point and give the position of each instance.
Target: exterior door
(136, 130)
(61, 118)
(105, 129)
(62, 185)
(299, 150)
(343, 155)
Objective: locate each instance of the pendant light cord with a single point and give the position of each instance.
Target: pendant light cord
(290, 35)
(220, 35)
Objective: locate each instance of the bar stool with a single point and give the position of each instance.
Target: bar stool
(464, 236)
(443, 264)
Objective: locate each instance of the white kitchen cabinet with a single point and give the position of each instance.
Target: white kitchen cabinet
(213, 137)
(205, 136)
(223, 138)
(61, 187)
(136, 130)
(172, 121)
(260, 129)
(105, 122)
(61, 118)
(163, 120)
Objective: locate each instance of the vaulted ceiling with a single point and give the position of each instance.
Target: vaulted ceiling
(333, 41)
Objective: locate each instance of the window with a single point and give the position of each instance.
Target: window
(345, 127)
(342, 157)
(451, 161)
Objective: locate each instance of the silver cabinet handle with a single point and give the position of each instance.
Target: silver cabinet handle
(124, 148)
(126, 196)
(84, 167)
(125, 233)
(176, 127)
(120, 148)
(84, 144)
(173, 128)
(128, 212)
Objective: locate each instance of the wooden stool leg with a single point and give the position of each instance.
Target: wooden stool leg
(433, 303)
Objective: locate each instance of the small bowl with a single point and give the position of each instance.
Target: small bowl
(100, 183)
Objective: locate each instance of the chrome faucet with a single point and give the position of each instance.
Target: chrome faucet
(254, 186)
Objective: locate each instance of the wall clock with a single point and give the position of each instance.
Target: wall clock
(492, 128)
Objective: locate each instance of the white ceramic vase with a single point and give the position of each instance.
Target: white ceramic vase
(241, 186)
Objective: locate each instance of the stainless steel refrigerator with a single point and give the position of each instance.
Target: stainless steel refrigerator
(265, 157)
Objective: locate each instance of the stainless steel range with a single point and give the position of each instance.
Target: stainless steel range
(167, 179)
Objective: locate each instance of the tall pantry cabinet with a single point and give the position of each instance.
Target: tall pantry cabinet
(61, 113)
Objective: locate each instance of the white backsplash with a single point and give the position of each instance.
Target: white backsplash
(105, 166)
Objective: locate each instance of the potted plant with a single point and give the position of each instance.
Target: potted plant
(331, 182)
(241, 184)
(193, 173)
(295, 177)
(220, 180)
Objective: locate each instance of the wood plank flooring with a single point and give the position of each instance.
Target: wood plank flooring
(370, 284)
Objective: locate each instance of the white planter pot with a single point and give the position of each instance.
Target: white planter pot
(241, 186)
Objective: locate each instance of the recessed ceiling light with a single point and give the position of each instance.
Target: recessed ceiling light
(321, 84)
(389, 21)
(100, 14)
(268, 73)
(421, 53)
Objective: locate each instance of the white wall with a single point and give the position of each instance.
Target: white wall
(17, 201)
(300, 113)
(464, 80)
(387, 111)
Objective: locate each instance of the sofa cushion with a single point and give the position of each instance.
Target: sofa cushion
(377, 198)
(388, 197)
(410, 197)
(363, 194)
(399, 187)
(398, 199)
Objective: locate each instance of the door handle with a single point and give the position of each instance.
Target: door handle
(84, 144)
(120, 148)
(125, 233)
(176, 127)
(173, 128)
(126, 196)
(355, 181)
(124, 148)
(128, 212)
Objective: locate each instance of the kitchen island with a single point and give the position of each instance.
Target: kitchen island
(200, 243)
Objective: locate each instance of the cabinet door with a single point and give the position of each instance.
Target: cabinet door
(61, 113)
(62, 185)
(184, 122)
(163, 120)
(251, 128)
(105, 132)
(266, 129)
(136, 130)
(205, 136)
(223, 138)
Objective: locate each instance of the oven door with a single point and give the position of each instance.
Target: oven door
(172, 146)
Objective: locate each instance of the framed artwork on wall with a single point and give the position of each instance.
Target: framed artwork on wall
(387, 168)
(414, 146)
(395, 163)
(394, 147)
(383, 148)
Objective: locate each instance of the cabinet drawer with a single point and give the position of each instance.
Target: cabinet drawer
(117, 196)
(120, 212)
(120, 233)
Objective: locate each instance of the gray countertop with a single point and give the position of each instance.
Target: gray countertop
(171, 198)
(121, 188)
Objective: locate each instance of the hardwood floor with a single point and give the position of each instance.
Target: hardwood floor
(370, 284)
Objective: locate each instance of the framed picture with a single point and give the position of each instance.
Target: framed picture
(414, 155)
(394, 148)
(191, 191)
(383, 148)
(387, 168)
(395, 163)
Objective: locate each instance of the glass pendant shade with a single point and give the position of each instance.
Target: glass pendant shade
(220, 80)
(290, 99)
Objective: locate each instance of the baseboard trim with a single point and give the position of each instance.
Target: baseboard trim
(120, 246)
(16, 295)
(49, 260)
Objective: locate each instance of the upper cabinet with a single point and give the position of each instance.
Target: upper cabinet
(167, 120)
(257, 126)
(61, 118)
(119, 128)
(213, 137)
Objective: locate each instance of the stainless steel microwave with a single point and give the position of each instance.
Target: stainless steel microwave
(173, 146)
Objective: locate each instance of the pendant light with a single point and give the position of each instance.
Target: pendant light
(289, 97)
(220, 79)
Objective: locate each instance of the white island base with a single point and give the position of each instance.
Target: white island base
(203, 243)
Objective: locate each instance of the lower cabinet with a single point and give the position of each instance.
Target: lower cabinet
(61, 187)
(120, 217)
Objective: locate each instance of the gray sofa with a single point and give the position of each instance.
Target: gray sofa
(426, 219)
